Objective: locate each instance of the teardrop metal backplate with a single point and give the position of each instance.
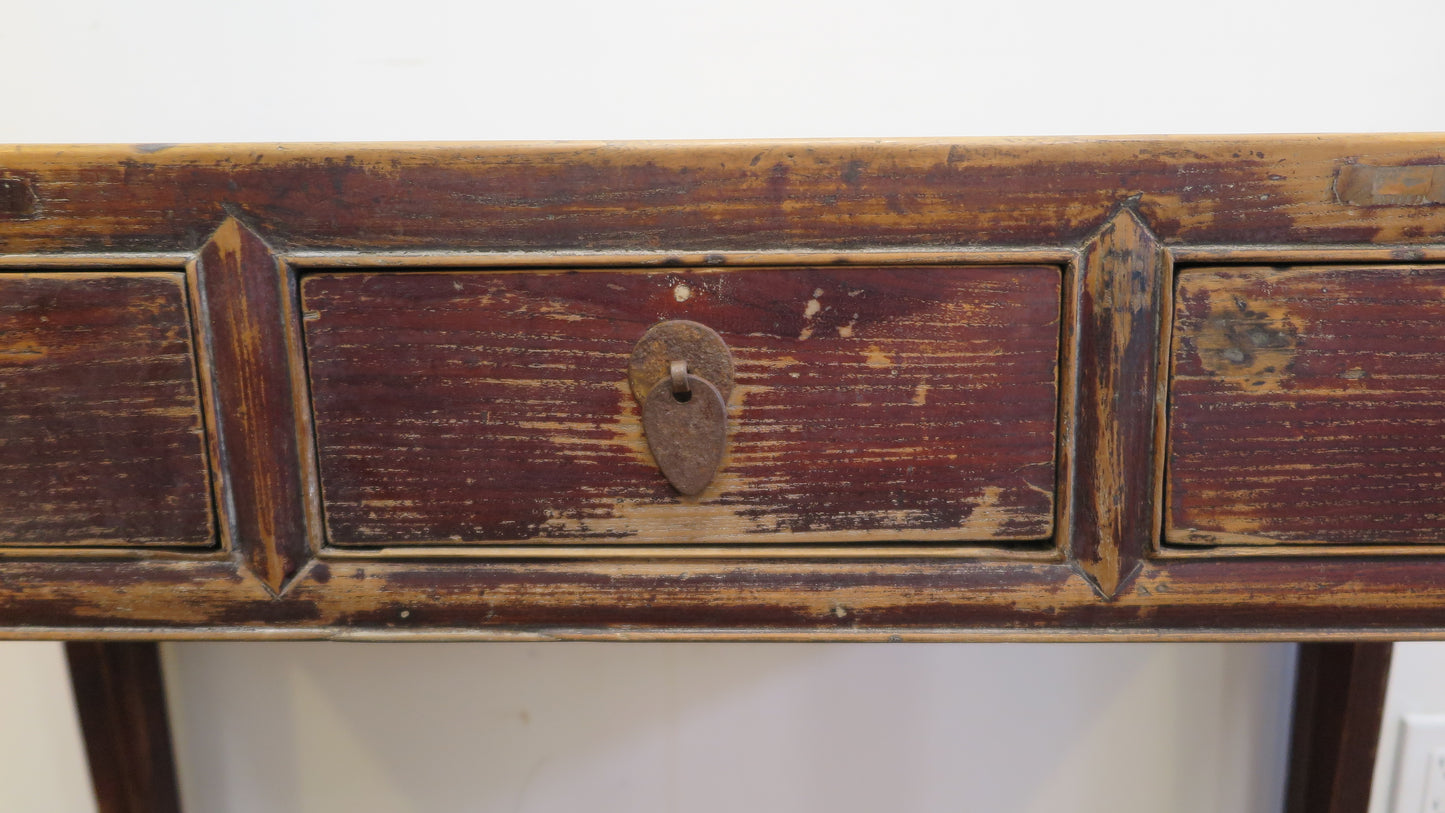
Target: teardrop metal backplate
(705, 352)
(687, 438)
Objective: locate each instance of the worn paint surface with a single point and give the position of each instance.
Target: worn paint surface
(1032, 201)
(870, 404)
(101, 439)
(709, 196)
(728, 600)
(1122, 275)
(1308, 406)
(247, 304)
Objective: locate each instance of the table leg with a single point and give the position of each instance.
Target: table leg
(120, 696)
(1338, 705)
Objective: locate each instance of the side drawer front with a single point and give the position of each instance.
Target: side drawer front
(872, 404)
(101, 436)
(1307, 406)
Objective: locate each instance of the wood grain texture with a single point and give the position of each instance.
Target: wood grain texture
(871, 404)
(1308, 406)
(714, 212)
(1122, 272)
(711, 196)
(722, 599)
(121, 700)
(101, 438)
(247, 299)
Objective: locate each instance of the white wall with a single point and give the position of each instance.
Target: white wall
(288, 727)
(179, 70)
(719, 728)
(42, 760)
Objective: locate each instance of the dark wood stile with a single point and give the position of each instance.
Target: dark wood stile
(247, 302)
(1123, 275)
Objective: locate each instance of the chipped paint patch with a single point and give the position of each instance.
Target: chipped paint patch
(814, 305)
(1249, 345)
(21, 351)
(1418, 185)
(810, 311)
(875, 357)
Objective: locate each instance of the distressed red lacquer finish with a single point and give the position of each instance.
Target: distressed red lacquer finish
(101, 438)
(1122, 276)
(871, 404)
(709, 196)
(1308, 406)
(482, 473)
(247, 299)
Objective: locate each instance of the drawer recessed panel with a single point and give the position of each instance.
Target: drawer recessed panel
(101, 439)
(870, 404)
(1307, 406)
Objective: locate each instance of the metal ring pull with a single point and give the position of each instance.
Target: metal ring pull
(678, 370)
(681, 373)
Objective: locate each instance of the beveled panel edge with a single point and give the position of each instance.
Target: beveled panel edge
(77, 553)
(114, 262)
(1258, 266)
(1042, 550)
(532, 261)
(821, 545)
(1296, 550)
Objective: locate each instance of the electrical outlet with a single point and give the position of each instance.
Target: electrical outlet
(1420, 765)
(1435, 783)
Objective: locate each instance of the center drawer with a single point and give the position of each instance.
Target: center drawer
(871, 404)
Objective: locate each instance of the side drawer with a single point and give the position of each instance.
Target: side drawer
(1307, 406)
(101, 437)
(871, 404)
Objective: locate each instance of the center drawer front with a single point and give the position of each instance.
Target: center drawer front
(871, 404)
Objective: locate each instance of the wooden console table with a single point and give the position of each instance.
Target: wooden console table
(1027, 389)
